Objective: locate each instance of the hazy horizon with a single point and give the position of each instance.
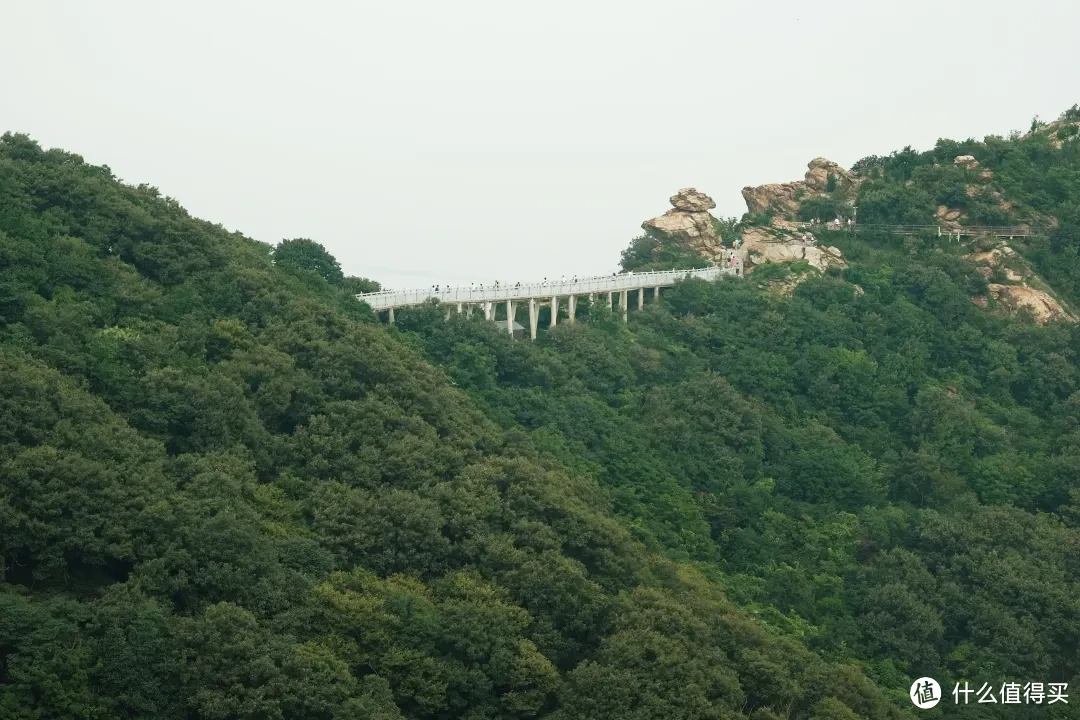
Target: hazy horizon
(429, 143)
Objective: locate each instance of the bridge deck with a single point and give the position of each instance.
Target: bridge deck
(389, 299)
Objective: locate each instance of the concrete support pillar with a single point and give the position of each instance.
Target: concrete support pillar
(391, 316)
(447, 313)
(656, 293)
(609, 305)
(534, 312)
(592, 298)
(571, 307)
(623, 304)
(459, 308)
(554, 310)
(640, 298)
(510, 317)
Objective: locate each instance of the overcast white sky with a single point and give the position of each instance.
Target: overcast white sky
(433, 141)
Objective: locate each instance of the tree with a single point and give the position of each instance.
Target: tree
(308, 255)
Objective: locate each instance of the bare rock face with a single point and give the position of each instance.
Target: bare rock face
(761, 247)
(1042, 305)
(691, 200)
(783, 198)
(778, 196)
(817, 176)
(966, 161)
(944, 212)
(689, 223)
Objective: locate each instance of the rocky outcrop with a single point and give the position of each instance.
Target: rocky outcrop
(767, 245)
(819, 170)
(783, 198)
(944, 212)
(690, 200)
(993, 256)
(1001, 260)
(784, 241)
(1041, 304)
(689, 224)
(966, 161)
(778, 197)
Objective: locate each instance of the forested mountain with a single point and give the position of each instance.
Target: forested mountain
(226, 491)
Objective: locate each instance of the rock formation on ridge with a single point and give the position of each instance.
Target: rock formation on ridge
(689, 224)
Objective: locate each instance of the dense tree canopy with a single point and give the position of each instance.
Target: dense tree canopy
(226, 492)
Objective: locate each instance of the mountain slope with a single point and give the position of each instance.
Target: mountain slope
(871, 463)
(226, 493)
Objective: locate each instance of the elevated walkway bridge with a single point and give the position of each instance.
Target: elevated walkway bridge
(537, 293)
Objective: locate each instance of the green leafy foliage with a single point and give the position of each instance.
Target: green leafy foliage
(823, 208)
(308, 256)
(650, 252)
(226, 493)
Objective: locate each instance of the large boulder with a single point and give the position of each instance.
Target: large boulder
(819, 170)
(691, 200)
(689, 224)
(779, 197)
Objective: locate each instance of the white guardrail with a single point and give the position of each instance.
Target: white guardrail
(387, 299)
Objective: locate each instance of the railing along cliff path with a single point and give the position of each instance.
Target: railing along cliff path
(536, 293)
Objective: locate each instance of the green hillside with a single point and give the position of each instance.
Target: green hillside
(226, 491)
(1031, 179)
(875, 466)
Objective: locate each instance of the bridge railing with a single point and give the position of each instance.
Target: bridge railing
(386, 299)
(998, 230)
